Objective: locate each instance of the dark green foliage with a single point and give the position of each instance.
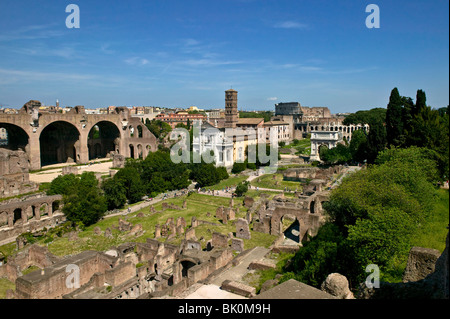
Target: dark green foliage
(358, 146)
(265, 115)
(222, 172)
(376, 141)
(373, 215)
(242, 188)
(84, 203)
(318, 257)
(366, 117)
(115, 193)
(238, 167)
(205, 174)
(63, 185)
(394, 123)
(131, 181)
(160, 174)
(158, 128)
(336, 155)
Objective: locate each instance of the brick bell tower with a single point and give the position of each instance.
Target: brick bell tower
(231, 109)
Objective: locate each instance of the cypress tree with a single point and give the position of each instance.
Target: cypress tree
(421, 102)
(394, 123)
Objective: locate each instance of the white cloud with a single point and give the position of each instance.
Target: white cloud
(290, 25)
(137, 61)
(33, 32)
(272, 98)
(207, 62)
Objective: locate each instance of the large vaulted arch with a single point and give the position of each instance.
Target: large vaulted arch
(58, 143)
(16, 137)
(103, 139)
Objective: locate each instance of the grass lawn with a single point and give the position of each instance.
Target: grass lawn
(302, 146)
(198, 205)
(434, 233)
(267, 181)
(5, 284)
(231, 181)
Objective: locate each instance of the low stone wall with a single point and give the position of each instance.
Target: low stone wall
(9, 234)
(239, 288)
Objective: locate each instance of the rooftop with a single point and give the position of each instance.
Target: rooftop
(293, 289)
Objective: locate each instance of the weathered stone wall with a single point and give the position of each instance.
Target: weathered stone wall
(51, 283)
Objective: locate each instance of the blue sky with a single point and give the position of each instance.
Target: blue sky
(182, 53)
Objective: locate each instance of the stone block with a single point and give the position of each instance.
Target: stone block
(242, 229)
(238, 288)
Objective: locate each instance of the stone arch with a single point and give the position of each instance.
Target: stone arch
(140, 153)
(17, 215)
(58, 141)
(321, 147)
(312, 205)
(131, 129)
(292, 231)
(44, 209)
(102, 139)
(17, 138)
(33, 212)
(132, 150)
(185, 266)
(56, 205)
(306, 221)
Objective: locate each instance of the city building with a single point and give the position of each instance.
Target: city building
(281, 128)
(229, 141)
(173, 119)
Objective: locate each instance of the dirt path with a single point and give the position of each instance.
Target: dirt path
(48, 175)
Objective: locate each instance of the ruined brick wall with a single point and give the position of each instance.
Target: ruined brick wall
(120, 273)
(52, 283)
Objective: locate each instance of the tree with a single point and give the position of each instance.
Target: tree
(160, 174)
(366, 117)
(115, 193)
(242, 188)
(394, 124)
(130, 179)
(358, 146)
(238, 167)
(159, 128)
(376, 141)
(336, 155)
(421, 102)
(205, 174)
(86, 203)
(63, 185)
(223, 174)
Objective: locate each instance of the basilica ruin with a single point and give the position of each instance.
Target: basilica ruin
(49, 137)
